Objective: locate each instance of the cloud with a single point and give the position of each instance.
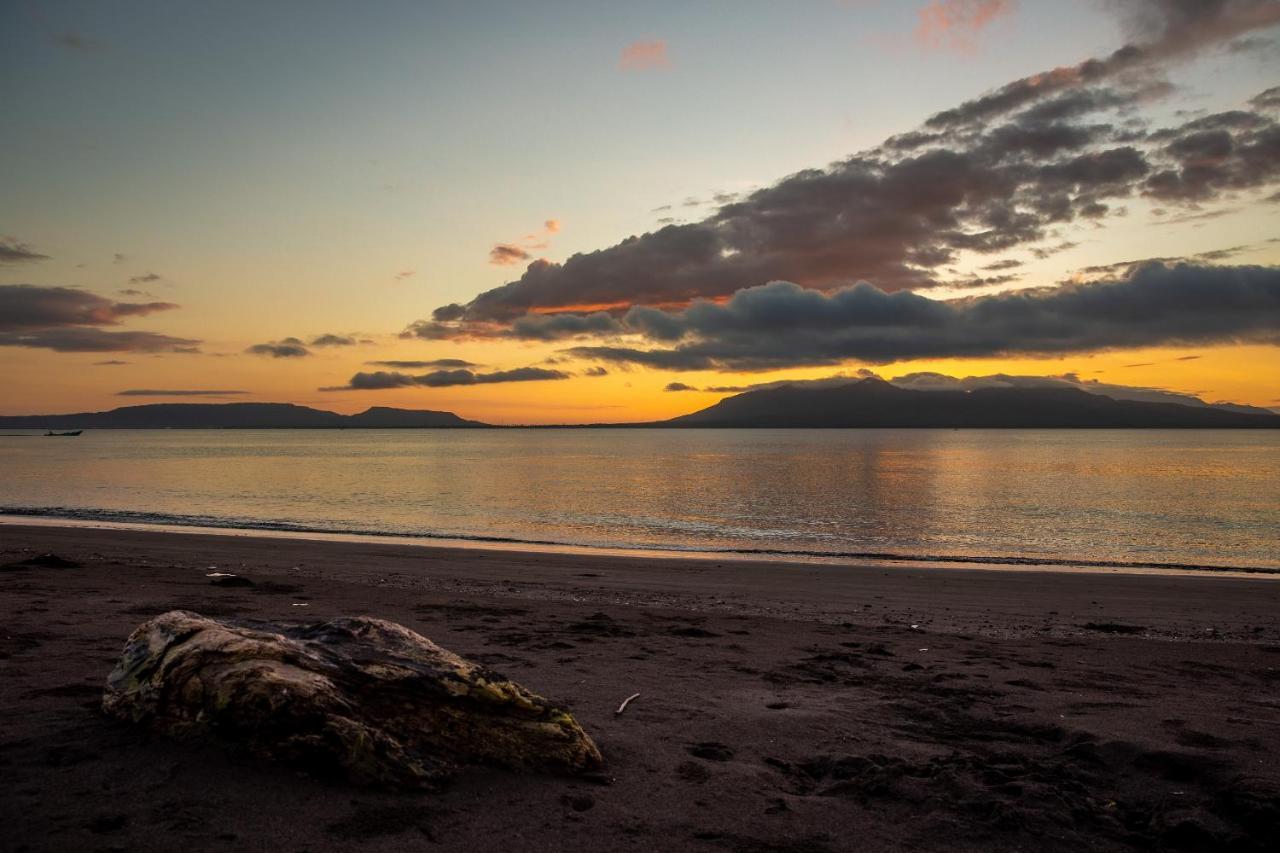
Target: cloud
(517, 251)
(15, 252)
(286, 348)
(292, 347)
(148, 392)
(898, 217)
(110, 363)
(382, 380)
(956, 24)
(645, 56)
(678, 386)
(1267, 100)
(1161, 30)
(421, 365)
(506, 254)
(97, 340)
(403, 274)
(658, 359)
(596, 370)
(1215, 155)
(782, 324)
(1048, 251)
(446, 313)
(331, 340)
(147, 278)
(1126, 267)
(1011, 169)
(550, 327)
(29, 307)
(977, 281)
(432, 330)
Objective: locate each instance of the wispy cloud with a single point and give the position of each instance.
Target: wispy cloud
(518, 251)
(201, 392)
(781, 325)
(645, 56)
(443, 363)
(16, 252)
(97, 340)
(956, 25)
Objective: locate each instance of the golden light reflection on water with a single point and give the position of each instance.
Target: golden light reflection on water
(1198, 497)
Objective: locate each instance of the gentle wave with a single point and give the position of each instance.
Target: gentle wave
(280, 526)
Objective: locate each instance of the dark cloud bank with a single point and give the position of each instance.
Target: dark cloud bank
(1008, 170)
(382, 379)
(783, 325)
(65, 319)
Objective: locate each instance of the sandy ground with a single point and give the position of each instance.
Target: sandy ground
(782, 708)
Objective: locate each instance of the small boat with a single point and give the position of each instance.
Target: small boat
(67, 434)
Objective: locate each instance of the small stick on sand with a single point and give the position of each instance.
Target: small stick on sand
(625, 703)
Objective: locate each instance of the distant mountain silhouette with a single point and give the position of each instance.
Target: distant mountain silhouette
(236, 416)
(384, 417)
(864, 403)
(876, 403)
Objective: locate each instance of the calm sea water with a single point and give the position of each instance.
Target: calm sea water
(1180, 497)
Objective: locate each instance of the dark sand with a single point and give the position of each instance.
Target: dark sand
(782, 707)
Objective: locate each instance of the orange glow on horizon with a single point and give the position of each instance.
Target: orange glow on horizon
(1248, 374)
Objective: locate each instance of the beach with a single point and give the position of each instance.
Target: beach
(783, 706)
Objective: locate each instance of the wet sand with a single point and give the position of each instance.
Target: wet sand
(782, 707)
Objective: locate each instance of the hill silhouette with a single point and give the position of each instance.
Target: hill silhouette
(877, 403)
(237, 416)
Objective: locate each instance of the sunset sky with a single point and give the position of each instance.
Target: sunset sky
(536, 213)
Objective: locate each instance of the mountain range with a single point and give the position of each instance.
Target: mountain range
(868, 402)
(237, 416)
(874, 402)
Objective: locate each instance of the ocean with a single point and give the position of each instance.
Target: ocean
(1175, 498)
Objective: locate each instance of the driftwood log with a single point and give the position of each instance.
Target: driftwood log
(364, 699)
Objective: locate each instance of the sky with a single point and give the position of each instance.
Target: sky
(556, 212)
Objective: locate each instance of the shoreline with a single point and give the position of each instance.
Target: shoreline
(1011, 601)
(37, 518)
(781, 708)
